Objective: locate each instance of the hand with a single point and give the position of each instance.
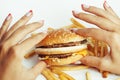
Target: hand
(13, 48)
(109, 22)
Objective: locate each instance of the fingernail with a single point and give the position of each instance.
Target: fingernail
(85, 6)
(106, 4)
(29, 13)
(41, 21)
(8, 17)
(75, 12)
(73, 29)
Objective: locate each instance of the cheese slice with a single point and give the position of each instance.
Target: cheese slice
(83, 52)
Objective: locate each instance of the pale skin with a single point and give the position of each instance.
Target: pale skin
(11, 55)
(13, 48)
(109, 22)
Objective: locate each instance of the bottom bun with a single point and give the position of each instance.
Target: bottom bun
(63, 61)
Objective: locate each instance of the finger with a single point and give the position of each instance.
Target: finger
(19, 23)
(5, 25)
(29, 43)
(106, 24)
(97, 34)
(109, 9)
(91, 61)
(104, 63)
(37, 69)
(20, 33)
(115, 18)
(101, 13)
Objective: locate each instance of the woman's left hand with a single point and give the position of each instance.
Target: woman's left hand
(108, 32)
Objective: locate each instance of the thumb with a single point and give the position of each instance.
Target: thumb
(37, 69)
(91, 61)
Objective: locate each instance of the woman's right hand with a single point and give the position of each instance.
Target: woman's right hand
(13, 48)
(109, 23)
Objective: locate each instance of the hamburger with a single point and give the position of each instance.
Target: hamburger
(61, 47)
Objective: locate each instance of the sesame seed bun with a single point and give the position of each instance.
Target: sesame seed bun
(61, 37)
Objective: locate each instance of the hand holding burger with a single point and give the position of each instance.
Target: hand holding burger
(109, 23)
(12, 50)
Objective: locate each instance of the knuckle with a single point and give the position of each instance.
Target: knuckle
(14, 50)
(22, 28)
(98, 20)
(91, 31)
(101, 65)
(93, 9)
(81, 15)
(86, 61)
(4, 46)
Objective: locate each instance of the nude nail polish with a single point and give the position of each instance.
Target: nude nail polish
(74, 29)
(8, 17)
(29, 13)
(85, 6)
(41, 21)
(75, 12)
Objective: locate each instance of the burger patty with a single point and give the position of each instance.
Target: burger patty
(64, 44)
(55, 55)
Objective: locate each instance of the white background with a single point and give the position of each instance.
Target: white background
(56, 13)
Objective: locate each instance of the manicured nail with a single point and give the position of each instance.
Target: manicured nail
(85, 6)
(106, 4)
(8, 17)
(41, 21)
(73, 29)
(29, 13)
(75, 12)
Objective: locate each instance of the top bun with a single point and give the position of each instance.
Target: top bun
(60, 36)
